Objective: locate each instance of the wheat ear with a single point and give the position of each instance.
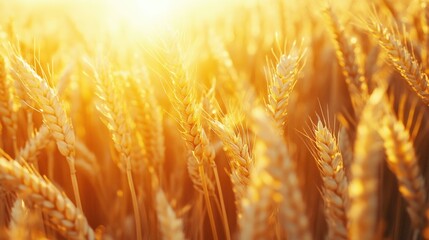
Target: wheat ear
(171, 226)
(402, 160)
(54, 115)
(273, 183)
(363, 186)
(281, 83)
(34, 145)
(38, 191)
(148, 118)
(403, 61)
(112, 107)
(346, 55)
(8, 116)
(241, 157)
(335, 183)
(193, 133)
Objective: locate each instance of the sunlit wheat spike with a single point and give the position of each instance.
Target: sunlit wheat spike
(402, 160)
(7, 114)
(346, 55)
(193, 133)
(148, 119)
(403, 61)
(34, 145)
(273, 183)
(112, 107)
(54, 114)
(281, 83)
(201, 159)
(363, 187)
(171, 226)
(335, 184)
(241, 158)
(53, 111)
(115, 117)
(39, 192)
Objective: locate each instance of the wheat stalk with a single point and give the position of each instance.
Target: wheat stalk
(53, 112)
(363, 186)
(335, 183)
(346, 55)
(38, 191)
(403, 61)
(402, 160)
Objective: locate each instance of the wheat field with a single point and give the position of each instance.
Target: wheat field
(228, 119)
